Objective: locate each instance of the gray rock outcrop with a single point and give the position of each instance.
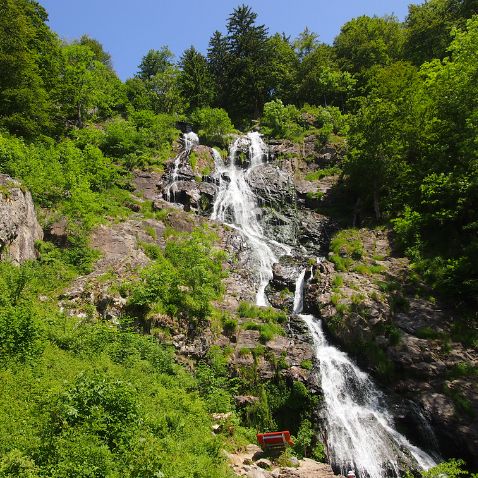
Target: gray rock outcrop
(19, 227)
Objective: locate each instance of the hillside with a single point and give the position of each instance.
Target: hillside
(170, 285)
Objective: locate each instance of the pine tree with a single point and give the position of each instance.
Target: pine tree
(195, 80)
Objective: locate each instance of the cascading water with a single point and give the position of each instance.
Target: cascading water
(189, 140)
(236, 206)
(359, 429)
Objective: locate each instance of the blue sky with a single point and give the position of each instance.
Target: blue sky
(129, 28)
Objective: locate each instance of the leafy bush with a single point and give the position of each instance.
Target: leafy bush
(280, 121)
(267, 314)
(212, 125)
(19, 334)
(143, 139)
(183, 280)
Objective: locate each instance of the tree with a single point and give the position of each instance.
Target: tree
(306, 43)
(28, 59)
(240, 64)
(283, 68)
(380, 137)
(248, 76)
(428, 27)
(321, 81)
(154, 62)
(88, 88)
(366, 42)
(195, 79)
(165, 92)
(97, 48)
(218, 62)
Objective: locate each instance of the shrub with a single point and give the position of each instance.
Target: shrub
(104, 407)
(212, 125)
(19, 334)
(281, 121)
(183, 280)
(267, 314)
(229, 325)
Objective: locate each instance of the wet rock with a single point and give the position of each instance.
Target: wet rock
(315, 231)
(271, 185)
(19, 227)
(194, 196)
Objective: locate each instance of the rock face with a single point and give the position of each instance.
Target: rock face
(403, 339)
(19, 227)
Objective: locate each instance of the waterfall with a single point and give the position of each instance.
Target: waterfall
(360, 433)
(299, 293)
(236, 205)
(359, 429)
(189, 140)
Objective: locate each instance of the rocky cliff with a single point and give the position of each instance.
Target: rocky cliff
(19, 227)
(370, 304)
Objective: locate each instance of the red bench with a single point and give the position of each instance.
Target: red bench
(274, 441)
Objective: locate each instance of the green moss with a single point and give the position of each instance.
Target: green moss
(306, 364)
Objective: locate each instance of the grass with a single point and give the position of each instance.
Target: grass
(462, 369)
(322, 173)
(267, 331)
(306, 364)
(266, 314)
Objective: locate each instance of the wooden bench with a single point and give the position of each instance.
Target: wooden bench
(274, 442)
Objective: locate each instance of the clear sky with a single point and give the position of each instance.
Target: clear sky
(129, 28)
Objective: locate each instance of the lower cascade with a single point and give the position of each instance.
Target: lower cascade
(359, 429)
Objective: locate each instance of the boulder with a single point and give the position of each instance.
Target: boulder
(19, 227)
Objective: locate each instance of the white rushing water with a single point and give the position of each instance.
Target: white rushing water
(189, 140)
(359, 430)
(236, 205)
(360, 433)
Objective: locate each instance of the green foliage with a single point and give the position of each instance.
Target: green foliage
(196, 81)
(304, 439)
(280, 121)
(365, 42)
(183, 280)
(142, 140)
(239, 63)
(401, 142)
(154, 62)
(19, 334)
(266, 314)
(229, 324)
(322, 173)
(451, 468)
(306, 364)
(28, 62)
(213, 125)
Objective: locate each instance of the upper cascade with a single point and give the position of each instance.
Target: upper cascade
(237, 206)
(190, 139)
